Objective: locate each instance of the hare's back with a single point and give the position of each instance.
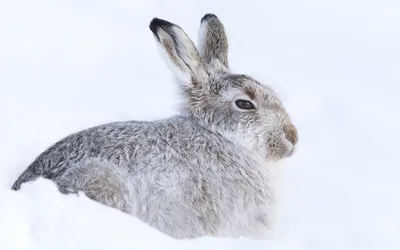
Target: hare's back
(118, 143)
(138, 145)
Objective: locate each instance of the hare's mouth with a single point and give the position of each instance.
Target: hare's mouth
(292, 151)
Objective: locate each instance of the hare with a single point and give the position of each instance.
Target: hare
(205, 172)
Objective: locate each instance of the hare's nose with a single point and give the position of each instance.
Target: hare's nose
(291, 133)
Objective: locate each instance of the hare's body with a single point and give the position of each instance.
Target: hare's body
(204, 172)
(156, 175)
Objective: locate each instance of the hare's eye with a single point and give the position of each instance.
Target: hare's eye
(244, 104)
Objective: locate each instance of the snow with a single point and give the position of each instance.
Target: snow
(68, 65)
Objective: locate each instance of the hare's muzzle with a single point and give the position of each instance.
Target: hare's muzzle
(291, 133)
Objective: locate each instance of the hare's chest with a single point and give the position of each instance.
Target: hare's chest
(250, 207)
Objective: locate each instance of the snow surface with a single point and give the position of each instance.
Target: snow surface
(68, 65)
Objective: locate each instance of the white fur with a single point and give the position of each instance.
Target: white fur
(202, 34)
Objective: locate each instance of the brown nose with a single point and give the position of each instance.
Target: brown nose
(291, 133)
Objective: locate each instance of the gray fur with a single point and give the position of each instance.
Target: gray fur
(213, 43)
(207, 171)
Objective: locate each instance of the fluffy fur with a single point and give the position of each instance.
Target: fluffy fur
(207, 171)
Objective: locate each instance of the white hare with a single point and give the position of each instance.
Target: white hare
(204, 172)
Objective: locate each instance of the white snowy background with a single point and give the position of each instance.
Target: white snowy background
(69, 65)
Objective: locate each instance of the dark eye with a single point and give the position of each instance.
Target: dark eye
(244, 104)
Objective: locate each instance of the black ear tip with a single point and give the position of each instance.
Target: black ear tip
(153, 26)
(208, 17)
(158, 23)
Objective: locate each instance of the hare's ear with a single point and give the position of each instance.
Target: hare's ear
(179, 52)
(213, 43)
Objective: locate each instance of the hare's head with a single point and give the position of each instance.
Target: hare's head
(234, 105)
